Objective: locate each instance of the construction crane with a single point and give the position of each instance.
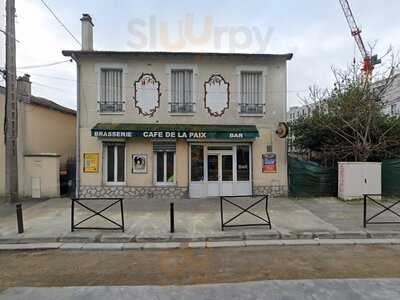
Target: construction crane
(369, 60)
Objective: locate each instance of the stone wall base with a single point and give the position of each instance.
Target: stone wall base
(278, 190)
(161, 192)
(136, 192)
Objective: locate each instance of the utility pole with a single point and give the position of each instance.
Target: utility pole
(11, 109)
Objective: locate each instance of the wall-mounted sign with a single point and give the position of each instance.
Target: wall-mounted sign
(176, 134)
(283, 130)
(90, 162)
(139, 163)
(216, 95)
(147, 94)
(269, 163)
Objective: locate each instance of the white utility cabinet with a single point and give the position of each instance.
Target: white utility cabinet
(358, 178)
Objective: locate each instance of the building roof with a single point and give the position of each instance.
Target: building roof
(51, 105)
(71, 53)
(40, 101)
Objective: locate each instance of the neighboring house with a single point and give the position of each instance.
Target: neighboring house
(173, 125)
(391, 98)
(295, 112)
(46, 141)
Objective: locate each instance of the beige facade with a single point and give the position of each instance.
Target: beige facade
(145, 86)
(46, 141)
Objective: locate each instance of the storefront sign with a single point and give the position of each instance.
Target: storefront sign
(175, 134)
(91, 162)
(269, 163)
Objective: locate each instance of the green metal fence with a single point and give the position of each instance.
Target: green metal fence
(309, 179)
(391, 177)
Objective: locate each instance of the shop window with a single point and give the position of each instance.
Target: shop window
(243, 163)
(197, 163)
(251, 93)
(181, 91)
(114, 163)
(165, 167)
(111, 90)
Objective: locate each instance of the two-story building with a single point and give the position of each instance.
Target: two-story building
(42, 155)
(175, 125)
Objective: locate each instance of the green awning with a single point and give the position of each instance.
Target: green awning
(174, 131)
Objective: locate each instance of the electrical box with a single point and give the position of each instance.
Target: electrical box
(358, 178)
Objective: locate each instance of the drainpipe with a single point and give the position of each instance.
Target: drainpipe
(78, 126)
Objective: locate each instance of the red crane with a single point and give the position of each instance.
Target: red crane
(369, 60)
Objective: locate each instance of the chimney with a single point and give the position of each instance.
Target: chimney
(87, 32)
(24, 88)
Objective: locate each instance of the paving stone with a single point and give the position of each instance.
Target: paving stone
(221, 244)
(72, 246)
(37, 246)
(197, 244)
(263, 243)
(383, 234)
(78, 237)
(119, 238)
(305, 235)
(304, 242)
(323, 235)
(167, 245)
(132, 246)
(187, 237)
(350, 235)
(143, 238)
(262, 235)
(102, 246)
(287, 236)
(9, 240)
(225, 236)
(337, 242)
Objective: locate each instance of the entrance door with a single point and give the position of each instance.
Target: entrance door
(220, 173)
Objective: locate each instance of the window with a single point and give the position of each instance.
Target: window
(165, 167)
(114, 163)
(181, 91)
(197, 163)
(251, 93)
(111, 90)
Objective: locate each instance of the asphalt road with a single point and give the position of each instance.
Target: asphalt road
(57, 268)
(350, 289)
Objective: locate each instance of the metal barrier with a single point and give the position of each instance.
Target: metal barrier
(229, 200)
(97, 213)
(386, 208)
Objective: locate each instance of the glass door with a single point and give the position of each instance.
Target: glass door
(220, 173)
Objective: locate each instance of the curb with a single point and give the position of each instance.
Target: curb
(272, 235)
(192, 245)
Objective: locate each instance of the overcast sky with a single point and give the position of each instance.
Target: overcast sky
(314, 30)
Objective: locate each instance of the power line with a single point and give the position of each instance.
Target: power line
(45, 65)
(61, 23)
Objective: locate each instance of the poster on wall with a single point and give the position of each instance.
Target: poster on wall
(139, 163)
(269, 163)
(91, 162)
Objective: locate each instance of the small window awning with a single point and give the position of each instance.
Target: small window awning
(175, 131)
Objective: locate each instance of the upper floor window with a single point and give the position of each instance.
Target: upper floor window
(111, 90)
(251, 92)
(181, 91)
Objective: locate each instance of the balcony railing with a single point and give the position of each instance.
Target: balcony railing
(181, 107)
(251, 108)
(111, 106)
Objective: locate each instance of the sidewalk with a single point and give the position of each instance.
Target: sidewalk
(196, 220)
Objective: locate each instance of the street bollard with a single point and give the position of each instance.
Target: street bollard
(172, 221)
(20, 221)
